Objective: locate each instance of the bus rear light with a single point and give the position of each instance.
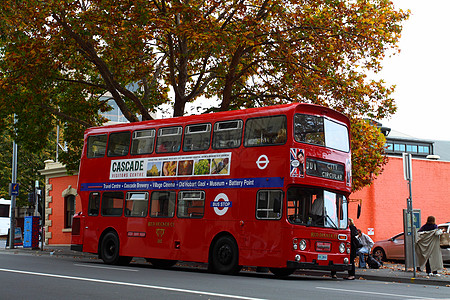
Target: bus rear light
(177, 244)
(342, 247)
(76, 226)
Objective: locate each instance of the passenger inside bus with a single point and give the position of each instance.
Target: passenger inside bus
(317, 210)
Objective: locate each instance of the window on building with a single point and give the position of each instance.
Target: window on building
(265, 131)
(227, 134)
(424, 149)
(191, 204)
(168, 140)
(136, 204)
(94, 204)
(143, 141)
(163, 204)
(389, 146)
(400, 147)
(197, 137)
(69, 210)
(268, 204)
(411, 148)
(112, 203)
(96, 145)
(119, 143)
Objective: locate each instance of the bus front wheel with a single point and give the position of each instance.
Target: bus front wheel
(281, 272)
(225, 256)
(109, 250)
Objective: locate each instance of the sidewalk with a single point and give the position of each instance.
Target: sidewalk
(390, 272)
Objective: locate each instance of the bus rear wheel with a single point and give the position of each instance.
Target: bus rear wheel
(281, 272)
(109, 250)
(225, 256)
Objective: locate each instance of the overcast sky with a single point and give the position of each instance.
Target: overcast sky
(421, 71)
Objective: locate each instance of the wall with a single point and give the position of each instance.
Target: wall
(383, 202)
(57, 183)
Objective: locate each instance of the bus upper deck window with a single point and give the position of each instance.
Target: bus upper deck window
(320, 131)
(265, 131)
(119, 143)
(96, 145)
(168, 140)
(197, 137)
(227, 134)
(143, 142)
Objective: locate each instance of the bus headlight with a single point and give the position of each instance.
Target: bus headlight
(295, 244)
(342, 247)
(302, 245)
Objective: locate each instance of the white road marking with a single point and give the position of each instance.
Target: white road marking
(129, 284)
(371, 293)
(103, 267)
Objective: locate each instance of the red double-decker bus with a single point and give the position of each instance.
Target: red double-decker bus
(264, 187)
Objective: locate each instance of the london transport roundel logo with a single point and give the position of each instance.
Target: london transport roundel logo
(221, 207)
(262, 162)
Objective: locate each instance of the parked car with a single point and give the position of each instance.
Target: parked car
(444, 227)
(394, 248)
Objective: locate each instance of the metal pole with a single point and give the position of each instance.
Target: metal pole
(12, 227)
(413, 232)
(57, 142)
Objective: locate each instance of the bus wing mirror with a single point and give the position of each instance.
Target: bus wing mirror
(358, 212)
(277, 206)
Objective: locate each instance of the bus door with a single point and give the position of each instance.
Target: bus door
(135, 216)
(160, 226)
(190, 230)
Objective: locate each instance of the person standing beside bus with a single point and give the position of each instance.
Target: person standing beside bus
(353, 248)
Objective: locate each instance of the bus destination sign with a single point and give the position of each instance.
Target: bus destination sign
(324, 169)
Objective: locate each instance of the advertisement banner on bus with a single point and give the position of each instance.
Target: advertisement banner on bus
(172, 166)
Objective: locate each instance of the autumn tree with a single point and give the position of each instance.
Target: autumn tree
(61, 58)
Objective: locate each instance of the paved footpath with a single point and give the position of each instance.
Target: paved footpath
(390, 272)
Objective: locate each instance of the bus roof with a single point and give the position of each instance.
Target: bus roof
(230, 115)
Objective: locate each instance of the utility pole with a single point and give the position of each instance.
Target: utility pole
(12, 227)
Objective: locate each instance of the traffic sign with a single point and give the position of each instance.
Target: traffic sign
(14, 189)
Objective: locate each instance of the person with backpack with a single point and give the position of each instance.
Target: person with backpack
(367, 244)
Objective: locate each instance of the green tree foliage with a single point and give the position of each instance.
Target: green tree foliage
(28, 164)
(60, 58)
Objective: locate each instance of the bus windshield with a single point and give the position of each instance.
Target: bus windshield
(317, 207)
(318, 130)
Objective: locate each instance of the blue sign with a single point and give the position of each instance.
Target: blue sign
(14, 189)
(265, 182)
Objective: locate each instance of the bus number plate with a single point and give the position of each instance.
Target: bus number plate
(322, 257)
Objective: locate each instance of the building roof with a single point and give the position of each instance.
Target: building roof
(440, 148)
